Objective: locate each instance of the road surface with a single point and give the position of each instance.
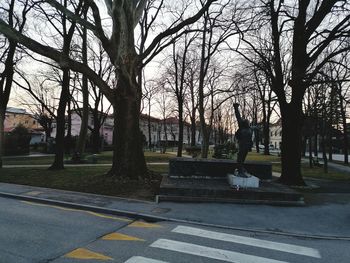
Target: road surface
(32, 232)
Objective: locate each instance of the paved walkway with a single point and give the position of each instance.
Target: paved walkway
(326, 216)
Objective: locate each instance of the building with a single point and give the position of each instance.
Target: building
(155, 125)
(17, 116)
(106, 129)
(276, 135)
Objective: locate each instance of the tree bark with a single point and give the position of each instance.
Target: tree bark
(181, 131)
(80, 147)
(2, 135)
(96, 135)
(310, 152)
(68, 138)
(291, 144)
(266, 132)
(128, 158)
(149, 125)
(345, 131)
(61, 122)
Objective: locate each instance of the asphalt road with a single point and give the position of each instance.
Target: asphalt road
(31, 232)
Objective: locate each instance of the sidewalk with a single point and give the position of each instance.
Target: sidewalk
(326, 217)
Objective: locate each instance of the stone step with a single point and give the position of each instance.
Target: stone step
(218, 190)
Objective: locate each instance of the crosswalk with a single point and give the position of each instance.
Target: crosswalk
(224, 255)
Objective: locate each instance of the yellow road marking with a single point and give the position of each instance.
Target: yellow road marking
(143, 224)
(119, 236)
(77, 210)
(109, 217)
(82, 253)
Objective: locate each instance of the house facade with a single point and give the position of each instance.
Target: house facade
(17, 116)
(106, 129)
(276, 135)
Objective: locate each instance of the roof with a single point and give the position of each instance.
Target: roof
(9, 129)
(174, 120)
(145, 117)
(16, 110)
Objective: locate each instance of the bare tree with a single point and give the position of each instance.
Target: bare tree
(218, 27)
(310, 33)
(128, 158)
(16, 14)
(175, 80)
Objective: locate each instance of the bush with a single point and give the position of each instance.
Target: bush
(17, 141)
(40, 147)
(225, 151)
(194, 151)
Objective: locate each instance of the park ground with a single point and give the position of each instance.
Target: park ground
(32, 170)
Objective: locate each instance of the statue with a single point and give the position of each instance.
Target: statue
(245, 143)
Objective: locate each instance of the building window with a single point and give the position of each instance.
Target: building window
(34, 122)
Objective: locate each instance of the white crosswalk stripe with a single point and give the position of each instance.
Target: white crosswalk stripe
(299, 250)
(222, 254)
(137, 259)
(209, 252)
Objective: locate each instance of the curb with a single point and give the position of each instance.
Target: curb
(153, 218)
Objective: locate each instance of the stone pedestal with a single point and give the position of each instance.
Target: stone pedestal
(243, 182)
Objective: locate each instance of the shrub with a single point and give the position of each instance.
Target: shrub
(17, 141)
(194, 151)
(225, 151)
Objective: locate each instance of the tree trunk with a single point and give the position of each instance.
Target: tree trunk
(149, 125)
(330, 144)
(80, 147)
(291, 144)
(257, 140)
(96, 137)
(2, 135)
(345, 129)
(181, 132)
(128, 157)
(61, 122)
(316, 145)
(310, 152)
(193, 130)
(6, 79)
(303, 145)
(324, 154)
(68, 138)
(266, 132)
(205, 140)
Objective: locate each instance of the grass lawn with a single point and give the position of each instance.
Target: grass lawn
(84, 179)
(316, 172)
(254, 156)
(93, 179)
(103, 158)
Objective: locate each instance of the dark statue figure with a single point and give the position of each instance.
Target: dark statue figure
(244, 136)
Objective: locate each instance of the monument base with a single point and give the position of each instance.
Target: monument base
(244, 182)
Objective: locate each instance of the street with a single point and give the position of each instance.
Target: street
(32, 232)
